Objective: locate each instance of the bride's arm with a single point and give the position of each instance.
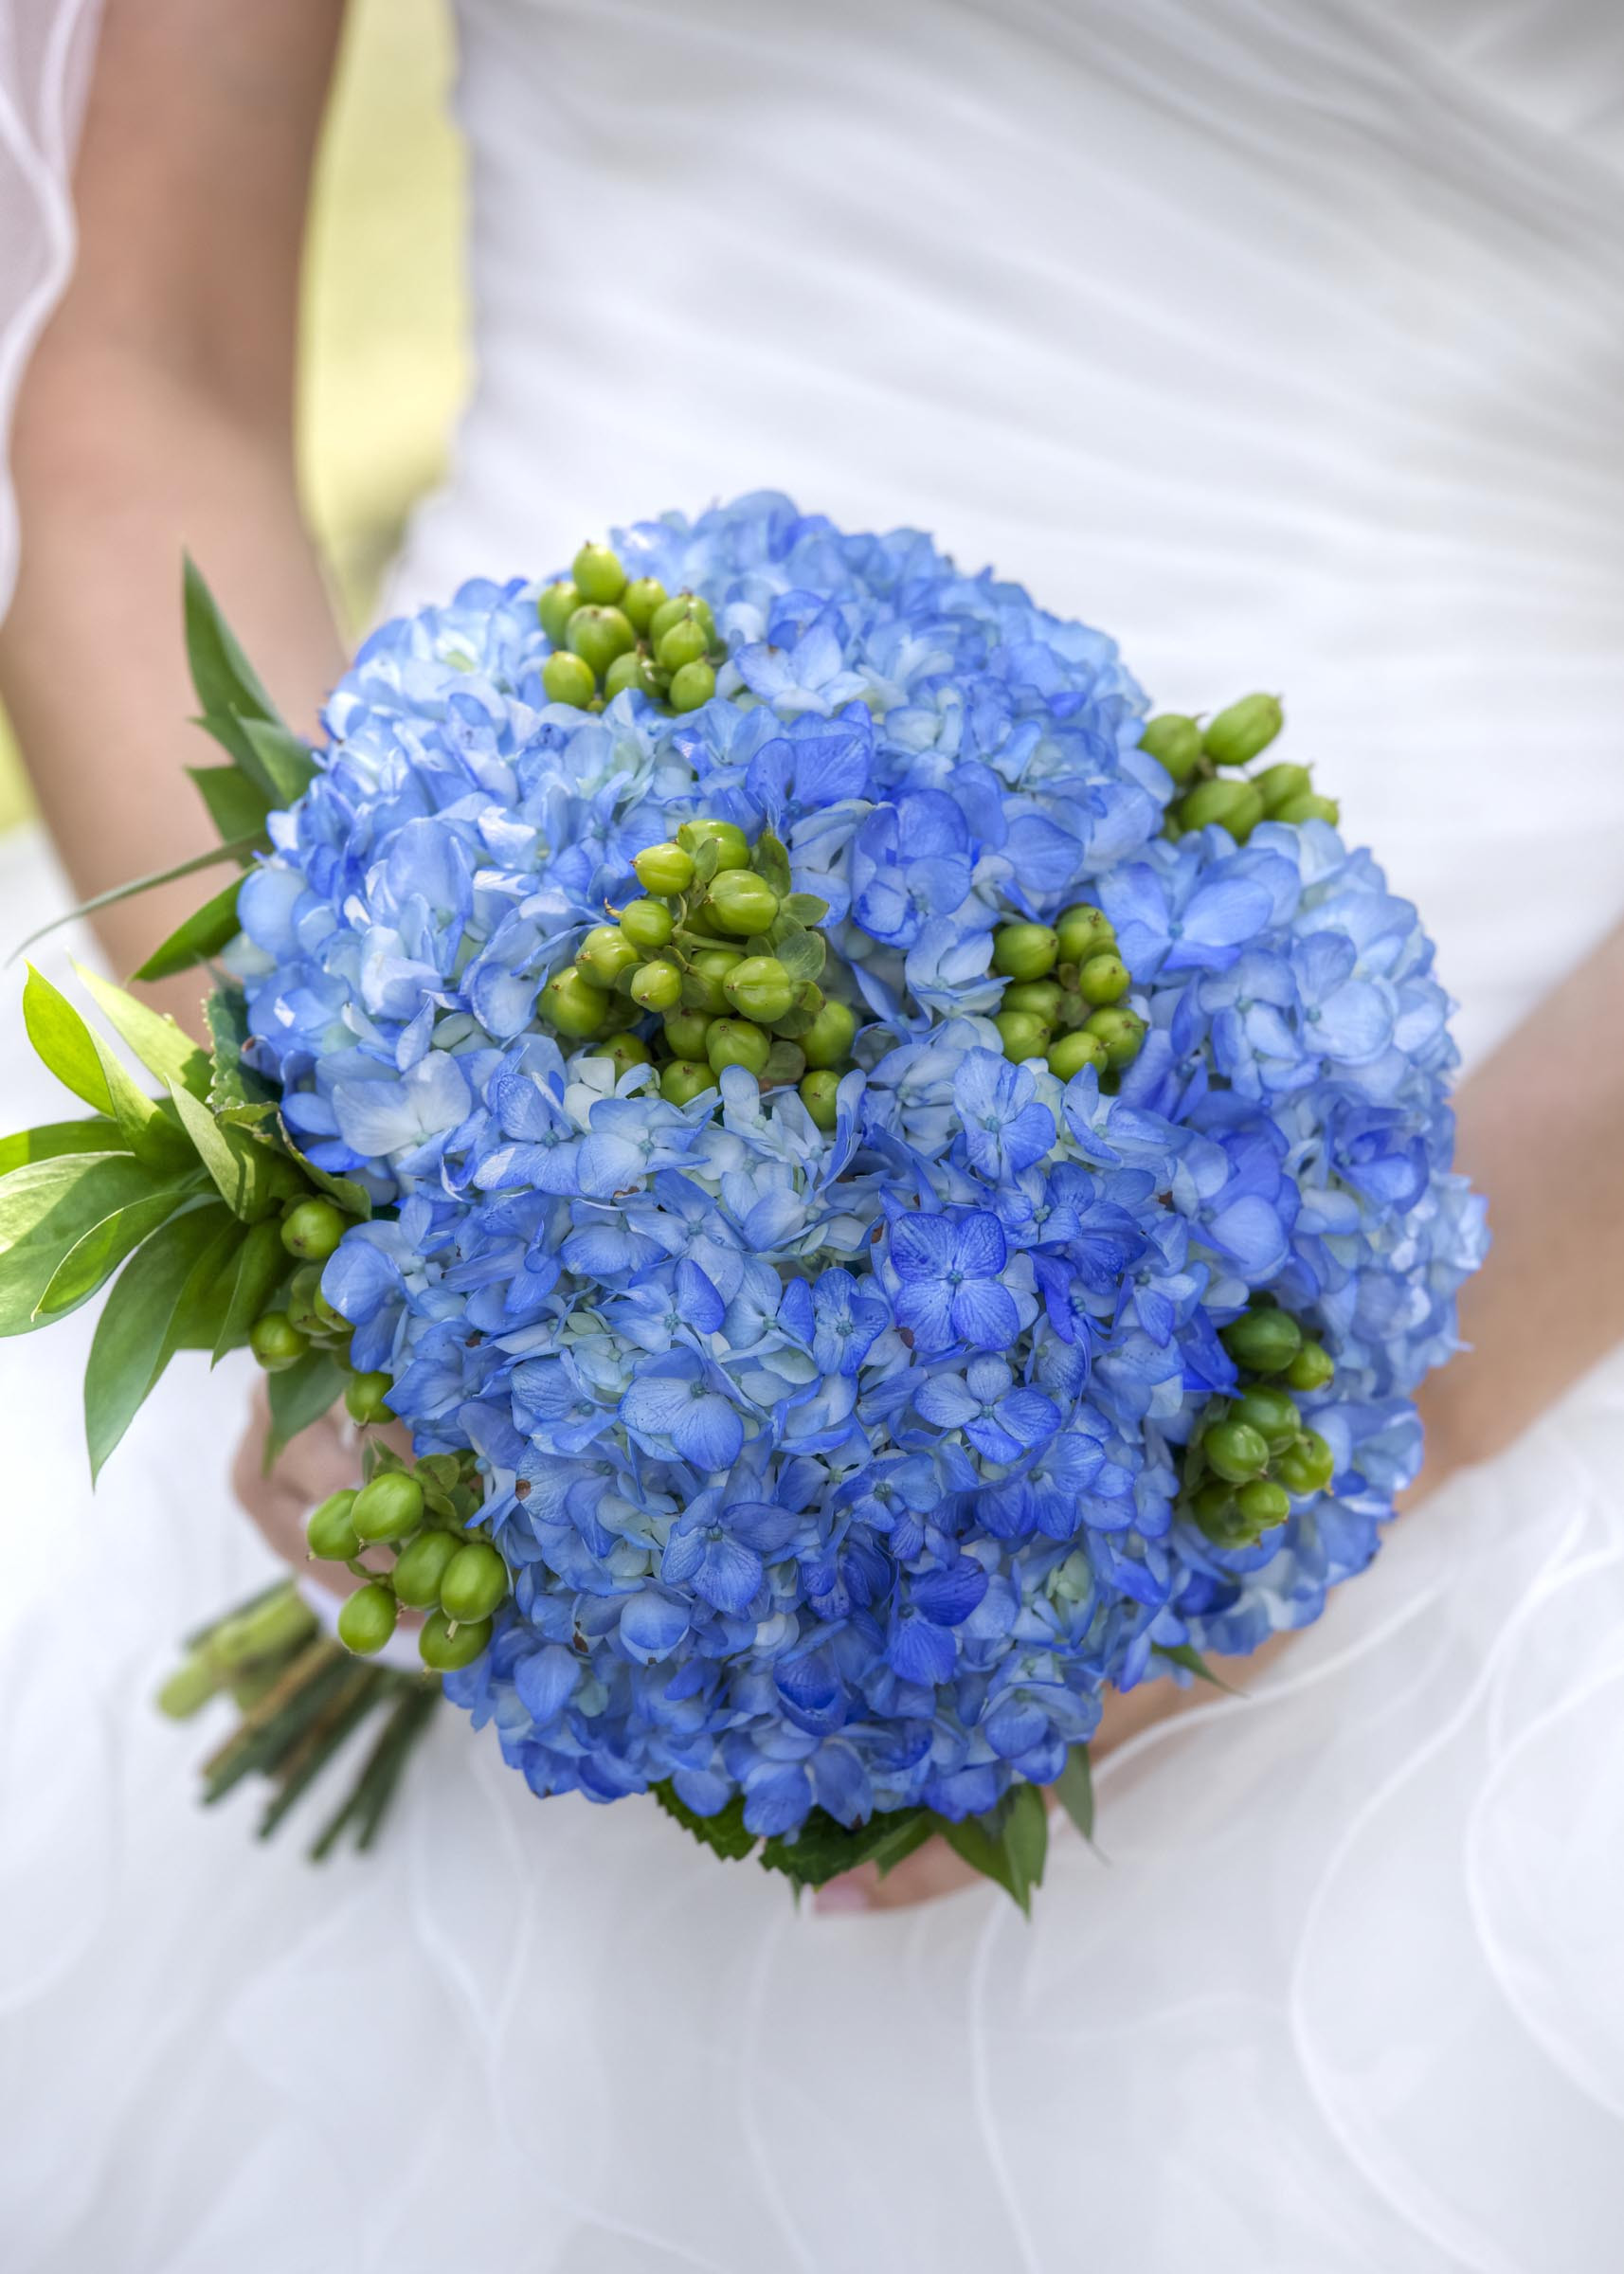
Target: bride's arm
(157, 415)
(1539, 1132)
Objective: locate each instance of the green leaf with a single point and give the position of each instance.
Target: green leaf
(804, 907)
(142, 884)
(61, 1037)
(237, 805)
(300, 1396)
(261, 1265)
(800, 953)
(243, 1170)
(95, 1259)
(224, 678)
(724, 1833)
(1009, 1844)
(214, 927)
(134, 1336)
(785, 1063)
(163, 1048)
(234, 1088)
(145, 1127)
(287, 763)
(51, 1140)
(1185, 1655)
(1074, 1790)
(200, 1314)
(351, 1196)
(706, 861)
(825, 1848)
(45, 1210)
(771, 862)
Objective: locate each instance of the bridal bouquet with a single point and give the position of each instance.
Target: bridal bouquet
(891, 1194)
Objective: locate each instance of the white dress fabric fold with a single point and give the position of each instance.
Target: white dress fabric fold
(1285, 343)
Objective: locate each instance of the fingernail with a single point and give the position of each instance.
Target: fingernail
(839, 1898)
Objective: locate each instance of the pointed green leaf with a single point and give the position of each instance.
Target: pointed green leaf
(724, 1833)
(1009, 1844)
(143, 884)
(200, 1314)
(146, 1129)
(45, 1210)
(301, 1396)
(261, 1265)
(234, 1088)
(1185, 1655)
(237, 805)
(61, 1037)
(800, 953)
(221, 674)
(823, 1848)
(284, 760)
(163, 1047)
(132, 1342)
(98, 1256)
(351, 1195)
(52, 1139)
(1074, 1790)
(203, 934)
(785, 1063)
(804, 907)
(771, 862)
(706, 861)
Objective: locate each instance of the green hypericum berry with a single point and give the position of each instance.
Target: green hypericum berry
(303, 1289)
(1308, 807)
(629, 670)
(1263, 1504)
(664, 868)
(368, 1618)
(1237, 734)
(573, 1005)
(684, 1080)
(421, 1566)
(736, 1042)
(1311, 1368)
(685, 1033)
(658, 986)
(1022, 1036)
(312, 1229)
(1103, 979)
(1084, 932)
(1213, 1506)
(640, 600)
(677, 609)
(329, 1532)
(684, 643)
(389, 1508)
(605, 952)
(475, 1582)
(1236, 804)
(276, 1341)
(732, 845)
(598, 573)
(818, 1094)
(1041, 996)
(1121, 1031)
(741, 903)
(363, 1396)
(1266, 1339)
(710, 968)
(625, 1051)
(1308, 1466)
(760, 988)
(598, 635)
(827, 1041)
(1235, 1451)
(647, 923)
(1174, 741)
(568, 679)
(445, 1650)
(555, 605)
(333, 1322)
(1069, 1053)
(1271, 1412)
(1025, 950)
(1276, 785)
(695, 683)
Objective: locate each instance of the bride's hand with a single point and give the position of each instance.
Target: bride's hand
(322, 1459)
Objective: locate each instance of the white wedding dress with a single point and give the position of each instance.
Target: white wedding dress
(1285, 341)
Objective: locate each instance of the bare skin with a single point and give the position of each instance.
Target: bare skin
(158, 412)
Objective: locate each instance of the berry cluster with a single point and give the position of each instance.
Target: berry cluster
(1205, 764)
(610, 632)
(727, 956)
(1254, 1452)
(422, 1513)
(1064, 1002)
(298, 1318)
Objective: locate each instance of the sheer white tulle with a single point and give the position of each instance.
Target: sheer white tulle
(1286, 341)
